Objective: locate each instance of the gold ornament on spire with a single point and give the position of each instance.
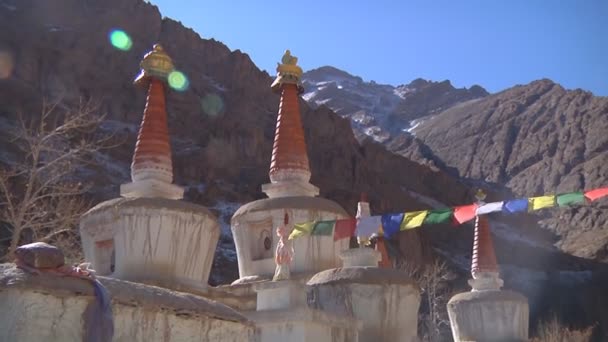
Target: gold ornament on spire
(155, 63)
(288, 71)
(480, 195)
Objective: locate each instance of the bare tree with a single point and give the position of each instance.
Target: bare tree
(41, 199)
(434, 323)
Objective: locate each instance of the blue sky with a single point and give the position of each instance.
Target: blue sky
(496, 44)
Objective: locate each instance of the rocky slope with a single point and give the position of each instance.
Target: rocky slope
(222, 129)
(533, 139)
(379, 110)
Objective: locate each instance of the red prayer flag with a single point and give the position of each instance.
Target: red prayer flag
(345, 228)
(594, 194)
(465, 213)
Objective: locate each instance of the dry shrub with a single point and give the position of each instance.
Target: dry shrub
(554, 331)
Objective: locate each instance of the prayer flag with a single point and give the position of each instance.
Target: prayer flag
(413, 219)
(367, 226)
(301, 229)
(592, 195)
(516, 205)
(344, 228)
(324, 228)
(487, 208)
(391, 224)
(465, 213)
(438, 216)
(540, 202)
(570, 198)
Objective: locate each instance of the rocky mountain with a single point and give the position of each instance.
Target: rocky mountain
(222, 130)
(382, 111)
(533, 139)
(525, 141)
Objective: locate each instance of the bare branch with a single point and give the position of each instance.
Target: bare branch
(41, 198)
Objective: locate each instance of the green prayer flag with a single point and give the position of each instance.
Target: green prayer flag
(324, 228)
(438, 216)
(301, 229)
(570, 198)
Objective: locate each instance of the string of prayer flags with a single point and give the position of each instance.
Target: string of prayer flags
(301, 229)
(516, 205)
(323, 228)
(564, 200)
(413, 219)
(438, 216)
(595, 194)
(368, 226)
(487, 208)
(465, 213)
(345, 228)
(540, 202)
(391, 224)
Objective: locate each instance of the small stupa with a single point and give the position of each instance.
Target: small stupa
(487, 313)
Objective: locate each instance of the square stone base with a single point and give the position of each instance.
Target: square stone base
(290, 188)
(152, 188)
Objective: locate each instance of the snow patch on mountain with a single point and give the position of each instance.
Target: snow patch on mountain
(381, 111)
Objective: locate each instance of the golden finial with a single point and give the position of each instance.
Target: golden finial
(288, 71)
(155, 63)
(480, 195)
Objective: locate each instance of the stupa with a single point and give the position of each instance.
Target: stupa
(289, 191)
(149, 235)
(487, 313)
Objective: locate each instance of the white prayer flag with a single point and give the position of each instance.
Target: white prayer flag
(487, 208)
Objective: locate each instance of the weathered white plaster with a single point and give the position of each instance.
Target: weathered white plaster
(360, 257)
(312, 253)
(285, 294)
(385, 301)
(486, 281)
(489, 316)
(152, 188)
(156, 241)
(290, 182)
(50, 308)
(304, 325)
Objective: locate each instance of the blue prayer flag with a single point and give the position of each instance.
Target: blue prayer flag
(516, 205)
(391, 224)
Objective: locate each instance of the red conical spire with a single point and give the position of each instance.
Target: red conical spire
(289, 156)
(385, 261)
(152, 169)
(152, 156)
(289, 169)
(484, 257)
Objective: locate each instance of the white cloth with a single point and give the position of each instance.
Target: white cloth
(487, 208)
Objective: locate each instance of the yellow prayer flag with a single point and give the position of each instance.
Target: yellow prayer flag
(413, 219)
(536, 203)
(301, 229)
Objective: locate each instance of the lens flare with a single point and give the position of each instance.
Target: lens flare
(120, 40)
(6, 64)
(178, 80)
(212, 104)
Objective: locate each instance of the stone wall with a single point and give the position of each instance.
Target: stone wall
(51, 308)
